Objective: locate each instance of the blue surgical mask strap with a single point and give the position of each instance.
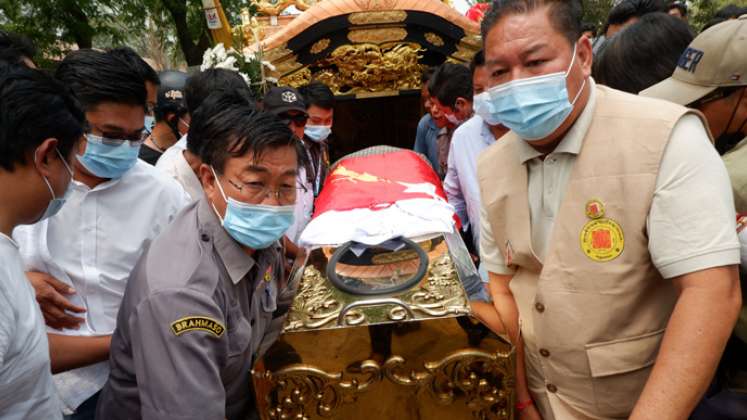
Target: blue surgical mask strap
(222, 193)
(46, 181)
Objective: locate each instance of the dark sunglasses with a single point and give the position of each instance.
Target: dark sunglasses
(298, 119)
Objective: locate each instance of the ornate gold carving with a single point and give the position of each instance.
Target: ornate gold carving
(276, 54)
(434, 39)
(320, 46)
(276, 7)
(377, 35)
(300, 390)
(484, 380)
(376, 4)
(371, 68)
(369, 18)
(318, 304)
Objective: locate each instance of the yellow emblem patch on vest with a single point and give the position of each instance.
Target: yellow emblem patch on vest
(602, 240)
(197, 323)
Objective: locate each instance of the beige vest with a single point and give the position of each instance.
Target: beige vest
(592, 329)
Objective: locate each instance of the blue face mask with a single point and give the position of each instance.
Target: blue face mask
(318, 133)
(107, 158)
(55, 205)
(256, 226)
(149, 123)
(482, 106)
(534, 107)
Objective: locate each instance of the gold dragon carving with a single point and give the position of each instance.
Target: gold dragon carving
(483, 380)
(351, 69)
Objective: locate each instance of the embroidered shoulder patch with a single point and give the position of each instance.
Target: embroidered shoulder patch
(197, 323)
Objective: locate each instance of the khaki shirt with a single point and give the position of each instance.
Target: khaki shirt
(193, 317)
(736, 164)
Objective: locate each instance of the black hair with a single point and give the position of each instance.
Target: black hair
(426, 75)
(319, 94)
(589, 27)
(731, 11)
(200, 85)
(35, 107)
(628, 9)
(136, 63)
(450, 82)
(96, 77)
(14, 47)
(565, 15)
(643, 54)
(478, 60)
(228, 124)
(199, 126)
(679, 5)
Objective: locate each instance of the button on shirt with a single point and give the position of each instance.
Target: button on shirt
(92, 244)
(188, 333)
(461, 184)
(684, 236)
(26, 388)
(173, 163)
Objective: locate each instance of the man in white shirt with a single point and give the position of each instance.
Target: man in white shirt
(117, 204)
(41, 125)
(182, 160)
(468, 141)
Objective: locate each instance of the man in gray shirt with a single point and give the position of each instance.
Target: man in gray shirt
(205, 294)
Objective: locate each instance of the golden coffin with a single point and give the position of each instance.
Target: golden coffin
(387, 333)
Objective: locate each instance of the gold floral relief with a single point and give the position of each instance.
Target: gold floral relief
(370, 18)
(377, 35)
(434, 39)
(320, 46)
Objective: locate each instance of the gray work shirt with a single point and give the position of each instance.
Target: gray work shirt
(192, 319)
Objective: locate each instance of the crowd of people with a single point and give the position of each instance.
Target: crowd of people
(147, 218)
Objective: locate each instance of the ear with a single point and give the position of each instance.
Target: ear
(585, 55)
(207, 179)
(44, 155)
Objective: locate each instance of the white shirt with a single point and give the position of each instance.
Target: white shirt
(461, 184)
(691, 223)
(304, 207)
(92, 244)
(173, 163)
(26, 388)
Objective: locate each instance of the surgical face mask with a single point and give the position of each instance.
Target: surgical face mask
(55, 205)
(108, 158)
(452, 119)
(482, 109)
(533, 107)
(149, 123)
(256, 226)
(318, 133)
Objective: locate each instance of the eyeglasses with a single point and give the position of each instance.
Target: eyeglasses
(256, 192)
(298, 119)
(117, 138)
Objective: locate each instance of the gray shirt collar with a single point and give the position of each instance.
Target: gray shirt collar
(237, 262)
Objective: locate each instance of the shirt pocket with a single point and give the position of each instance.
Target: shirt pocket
(619, 371)
(239, 332)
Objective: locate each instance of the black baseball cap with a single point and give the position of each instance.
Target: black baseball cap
(283, 99)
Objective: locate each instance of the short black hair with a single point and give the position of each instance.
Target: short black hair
(14, 47)
(628, 9)
(643, 54)
(319, 94)
(589, 27)
(202, 84)
(229, 125)
(426, 75)
(478, 60)
(136, 63)
(731, 11)
(450, 82)
(565, 15)
(35, 107)
(679, 5)
(96, 77)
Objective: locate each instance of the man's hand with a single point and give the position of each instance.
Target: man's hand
(530, 413)
(49, 294)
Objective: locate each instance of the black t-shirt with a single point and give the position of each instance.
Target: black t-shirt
(149, 155)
